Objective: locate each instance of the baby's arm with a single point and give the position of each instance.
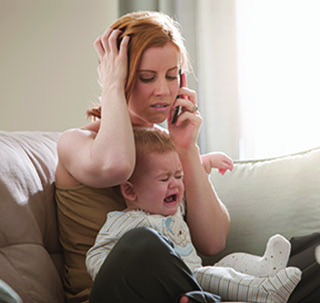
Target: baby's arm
(216, 160)
(108, 236)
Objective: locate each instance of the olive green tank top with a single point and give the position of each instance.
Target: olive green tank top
(82, 211)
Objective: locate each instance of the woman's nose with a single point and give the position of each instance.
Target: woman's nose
(162, 88)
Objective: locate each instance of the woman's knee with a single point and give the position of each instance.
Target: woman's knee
(143, 244)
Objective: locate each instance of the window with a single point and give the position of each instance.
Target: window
(278, 56)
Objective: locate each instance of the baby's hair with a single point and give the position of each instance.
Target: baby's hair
(151, 141)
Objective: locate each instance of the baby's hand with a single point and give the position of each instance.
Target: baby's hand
(216, 160)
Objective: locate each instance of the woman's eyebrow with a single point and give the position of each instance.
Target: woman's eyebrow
(153, 71)
(147, 70)
(173, 68)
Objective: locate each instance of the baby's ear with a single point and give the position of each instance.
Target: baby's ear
(127, 190)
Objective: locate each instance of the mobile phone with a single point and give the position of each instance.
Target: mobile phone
(177, 109)
(175, 114)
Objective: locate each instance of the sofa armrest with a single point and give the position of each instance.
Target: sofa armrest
(30, 253)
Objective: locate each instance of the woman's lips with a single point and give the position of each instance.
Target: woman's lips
(160, 107)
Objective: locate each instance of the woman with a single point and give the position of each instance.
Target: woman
(141, 57)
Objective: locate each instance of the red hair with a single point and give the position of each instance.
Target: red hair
(146, 29)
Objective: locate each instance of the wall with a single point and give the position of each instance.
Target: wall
(48, 64)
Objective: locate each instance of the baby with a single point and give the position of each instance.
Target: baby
(154, 197)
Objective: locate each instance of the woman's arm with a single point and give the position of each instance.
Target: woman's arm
(207, 217)
(106, 157)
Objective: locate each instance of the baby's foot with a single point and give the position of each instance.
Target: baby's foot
(274, 259)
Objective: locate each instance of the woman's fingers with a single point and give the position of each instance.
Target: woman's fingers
(107, 43)
(104, 40)
(189, 116)
(99, 48)
(113, 41)
(188, 93)
(124, 46)
(112, 56)
(187, 104)
(183, 80)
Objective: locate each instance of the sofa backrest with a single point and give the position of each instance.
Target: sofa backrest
(265, 197)
(30, 255)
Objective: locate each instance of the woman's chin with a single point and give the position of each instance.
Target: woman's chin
(159, 120)
(148, 123)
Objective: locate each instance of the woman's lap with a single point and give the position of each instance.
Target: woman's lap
(143, 267)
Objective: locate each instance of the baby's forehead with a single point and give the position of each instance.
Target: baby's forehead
(162, 155)
(162, 161)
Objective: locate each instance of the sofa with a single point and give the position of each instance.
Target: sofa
(264, 197)
(31, 259)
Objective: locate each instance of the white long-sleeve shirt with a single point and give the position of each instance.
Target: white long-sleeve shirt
(119, 222)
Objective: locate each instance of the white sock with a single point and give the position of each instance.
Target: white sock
(275, 258)
(235, 286)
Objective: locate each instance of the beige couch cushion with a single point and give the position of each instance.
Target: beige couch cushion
(265, 197)
(30, 254)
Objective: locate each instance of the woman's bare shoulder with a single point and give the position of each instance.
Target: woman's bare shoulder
(68, 143)
(73, 135)
(90, 129)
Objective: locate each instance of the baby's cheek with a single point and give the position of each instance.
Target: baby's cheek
(182, 191)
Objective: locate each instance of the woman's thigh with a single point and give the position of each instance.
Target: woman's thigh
(143, 267)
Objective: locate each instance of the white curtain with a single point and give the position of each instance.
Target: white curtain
(217, 74)
(260, 73)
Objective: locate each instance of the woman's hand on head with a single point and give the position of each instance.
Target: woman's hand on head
(185, 130)
(113, 61)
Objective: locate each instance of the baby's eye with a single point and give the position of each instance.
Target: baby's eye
(179, 176)
(164, 179)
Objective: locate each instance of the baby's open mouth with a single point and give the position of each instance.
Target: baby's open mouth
(171, 198)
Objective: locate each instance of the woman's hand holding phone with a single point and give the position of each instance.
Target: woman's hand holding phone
(184, 129)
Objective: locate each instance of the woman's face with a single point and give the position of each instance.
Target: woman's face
(156, 85)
